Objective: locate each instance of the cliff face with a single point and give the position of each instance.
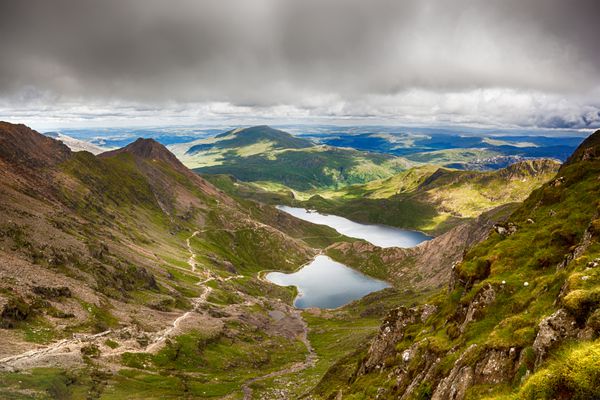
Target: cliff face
(521, 312)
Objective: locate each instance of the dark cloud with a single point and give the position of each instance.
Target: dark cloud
(323, 56)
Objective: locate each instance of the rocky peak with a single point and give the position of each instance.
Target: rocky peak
(22, 146)
(147, 149)
(589, 149)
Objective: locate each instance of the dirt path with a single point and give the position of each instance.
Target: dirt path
(164, 335)
(311, 359)
(69, 350)
(192, 259)
(197, 302)
(62, 347)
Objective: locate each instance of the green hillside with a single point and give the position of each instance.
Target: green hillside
(126, 275)
(276, 159)
(434, 199)
(520, 317)
(426, 198)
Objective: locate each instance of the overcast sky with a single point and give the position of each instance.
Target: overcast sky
(509, 63)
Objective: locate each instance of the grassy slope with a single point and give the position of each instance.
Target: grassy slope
(120, 202)
(272, 156)
(424, 198)
(561, 213)
(434, 200)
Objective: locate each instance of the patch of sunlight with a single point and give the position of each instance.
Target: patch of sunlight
(497, 142)
(263, 146)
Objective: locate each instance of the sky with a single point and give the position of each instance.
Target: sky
(532, 64)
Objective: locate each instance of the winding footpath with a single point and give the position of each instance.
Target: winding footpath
(65, 348)
(70, 349)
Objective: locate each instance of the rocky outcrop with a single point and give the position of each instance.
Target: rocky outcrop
(391, 332)
(496, 366)
(552, 331)
(52, 292)
(477, 366)
(506, 229)
(460, 378)
(484, 297)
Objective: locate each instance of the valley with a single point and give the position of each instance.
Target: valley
(128, 275)
(299, 200)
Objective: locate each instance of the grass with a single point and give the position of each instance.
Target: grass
(522, 270)
(572, 373)
(209, 364)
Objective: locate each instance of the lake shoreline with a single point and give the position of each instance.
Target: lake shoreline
(325, 283)
(383, 236)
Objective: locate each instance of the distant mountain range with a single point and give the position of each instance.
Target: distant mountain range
(77, 144)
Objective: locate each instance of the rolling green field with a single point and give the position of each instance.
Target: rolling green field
(275, 157)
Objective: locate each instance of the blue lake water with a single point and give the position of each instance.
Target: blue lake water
(379, 235)
(325, 283)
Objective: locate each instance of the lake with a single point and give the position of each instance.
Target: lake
(379, 235)
(325, 283)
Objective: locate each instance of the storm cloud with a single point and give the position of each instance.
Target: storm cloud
(532, 63)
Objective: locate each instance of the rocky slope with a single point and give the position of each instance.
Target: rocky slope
(112, 267)
(424, 267)
(519, 318)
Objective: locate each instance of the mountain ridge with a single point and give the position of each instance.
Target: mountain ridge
(519, 319)
(276, 158)
(126, 258)
(20, 145)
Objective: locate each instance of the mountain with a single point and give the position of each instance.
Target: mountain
(277, 159)
(433, 199)
(76, 144)
(24, 148)
(126, 273)
(241, 137)
(519, 318)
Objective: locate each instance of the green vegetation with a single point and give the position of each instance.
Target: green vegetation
(273, 157)
(500, 293)
(425, 198)
(573, 373)
(434, 199)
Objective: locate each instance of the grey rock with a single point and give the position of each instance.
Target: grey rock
(552, 331)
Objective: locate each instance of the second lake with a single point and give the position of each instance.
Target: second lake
(325, 283)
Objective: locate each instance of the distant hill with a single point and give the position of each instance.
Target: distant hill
(76, 144)
(241, 137)
(435, 199)
(277, 158)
